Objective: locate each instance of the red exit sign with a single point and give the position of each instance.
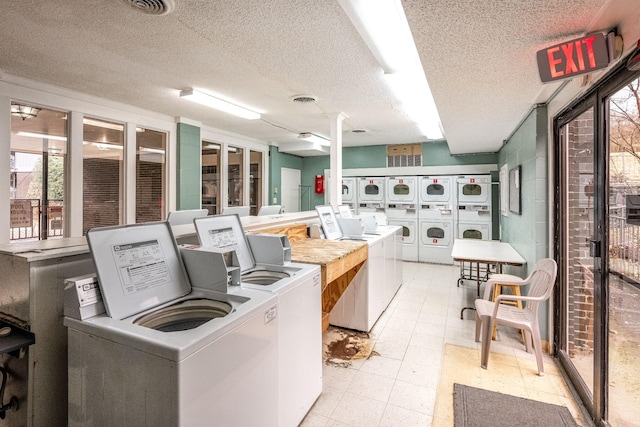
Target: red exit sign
(572, 58)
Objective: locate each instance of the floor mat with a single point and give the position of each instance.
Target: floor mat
(476, 407)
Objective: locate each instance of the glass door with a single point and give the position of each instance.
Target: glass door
(623, 338)
(579, 269)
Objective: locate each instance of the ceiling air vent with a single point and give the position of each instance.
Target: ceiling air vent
(304, 99)
(151, 7)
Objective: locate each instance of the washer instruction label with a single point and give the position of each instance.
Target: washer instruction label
(141, 265)
(224, 238)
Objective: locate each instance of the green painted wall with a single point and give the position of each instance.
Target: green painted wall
(433, 154)
(528, 232)
(189, 160)
(438, 154)
(279, 160)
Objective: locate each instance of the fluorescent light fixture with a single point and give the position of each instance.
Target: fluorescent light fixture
(384, 27)
(218, 103)
(151, 150)
(102, 124)
(310, 137)
(42, 136)
(107, 146)
(212, 146)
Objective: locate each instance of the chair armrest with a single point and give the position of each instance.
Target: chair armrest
(518, 298)
(504, 279)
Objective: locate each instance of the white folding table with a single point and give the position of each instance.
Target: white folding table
(490, 253)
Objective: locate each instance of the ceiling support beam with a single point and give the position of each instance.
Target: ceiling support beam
(335, 155)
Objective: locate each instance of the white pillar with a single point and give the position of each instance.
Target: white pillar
(5, 170)
(335, 154)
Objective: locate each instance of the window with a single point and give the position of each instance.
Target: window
(235, 176)
(150, 175)
(211, 177)
(102, 171)
(255, 181)
(37, 167)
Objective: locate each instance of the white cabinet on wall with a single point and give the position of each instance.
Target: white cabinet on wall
(375, 284)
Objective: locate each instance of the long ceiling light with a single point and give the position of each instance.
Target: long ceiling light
(384, 27)
(218, 103)
(42, 136)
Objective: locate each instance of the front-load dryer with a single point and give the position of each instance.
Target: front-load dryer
(477, 230)
(436, 241)
(350, 192)
(437, 190)
(298, 290)
(371, 192)
(165, 353)
(409, 239)
(474, 189)
(402, 190)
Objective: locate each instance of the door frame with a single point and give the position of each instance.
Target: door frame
(596, 98)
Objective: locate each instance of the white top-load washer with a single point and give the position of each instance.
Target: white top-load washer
(165, 353)
(265, 264)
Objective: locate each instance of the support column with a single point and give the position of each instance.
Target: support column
(335, 154)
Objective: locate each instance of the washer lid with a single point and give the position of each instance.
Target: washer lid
(225, 232)
(138, 267)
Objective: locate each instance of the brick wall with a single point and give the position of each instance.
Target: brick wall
(101, 193)
(580, 231)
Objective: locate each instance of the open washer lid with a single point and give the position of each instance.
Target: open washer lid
(138, 267)
(225, 232)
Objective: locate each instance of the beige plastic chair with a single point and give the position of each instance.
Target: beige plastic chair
(489, 313)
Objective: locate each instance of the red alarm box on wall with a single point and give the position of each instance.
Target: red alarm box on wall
(319, 184)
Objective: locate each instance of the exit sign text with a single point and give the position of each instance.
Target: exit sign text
(572, 58)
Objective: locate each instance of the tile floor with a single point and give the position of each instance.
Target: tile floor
(397, 385)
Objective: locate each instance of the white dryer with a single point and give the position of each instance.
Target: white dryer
(402, 190)
(165, 353)
(265, 265)
(350, 193)
(474, 207)
(370, 193)
(437, 233)
(409, 239)
(437, 190)
(474, 189)
(474, 230)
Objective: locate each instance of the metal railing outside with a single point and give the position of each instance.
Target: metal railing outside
(27, 225)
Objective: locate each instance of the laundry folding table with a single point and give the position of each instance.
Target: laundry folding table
(488, 253)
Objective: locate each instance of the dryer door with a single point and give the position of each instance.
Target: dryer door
(348, 190)
(402, 189)
(436, 233)
(371, 190)
(474, 231)
(474, 189)
(436, 189)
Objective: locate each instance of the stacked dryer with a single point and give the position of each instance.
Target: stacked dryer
(350, 193)
(474, 207)
(371, 196)
(436, 218)
(401, 209)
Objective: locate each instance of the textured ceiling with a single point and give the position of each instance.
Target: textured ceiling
(479, 58)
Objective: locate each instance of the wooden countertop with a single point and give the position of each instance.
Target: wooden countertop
(334, 257)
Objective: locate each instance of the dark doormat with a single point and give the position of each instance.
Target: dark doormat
(475, 407)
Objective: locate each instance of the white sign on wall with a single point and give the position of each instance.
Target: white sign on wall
(21, 215)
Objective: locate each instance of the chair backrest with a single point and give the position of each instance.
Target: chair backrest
(543, 278)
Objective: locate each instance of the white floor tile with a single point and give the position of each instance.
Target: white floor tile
(397, 385)
(356, 410)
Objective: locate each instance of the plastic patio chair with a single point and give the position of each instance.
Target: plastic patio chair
(488, 313)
